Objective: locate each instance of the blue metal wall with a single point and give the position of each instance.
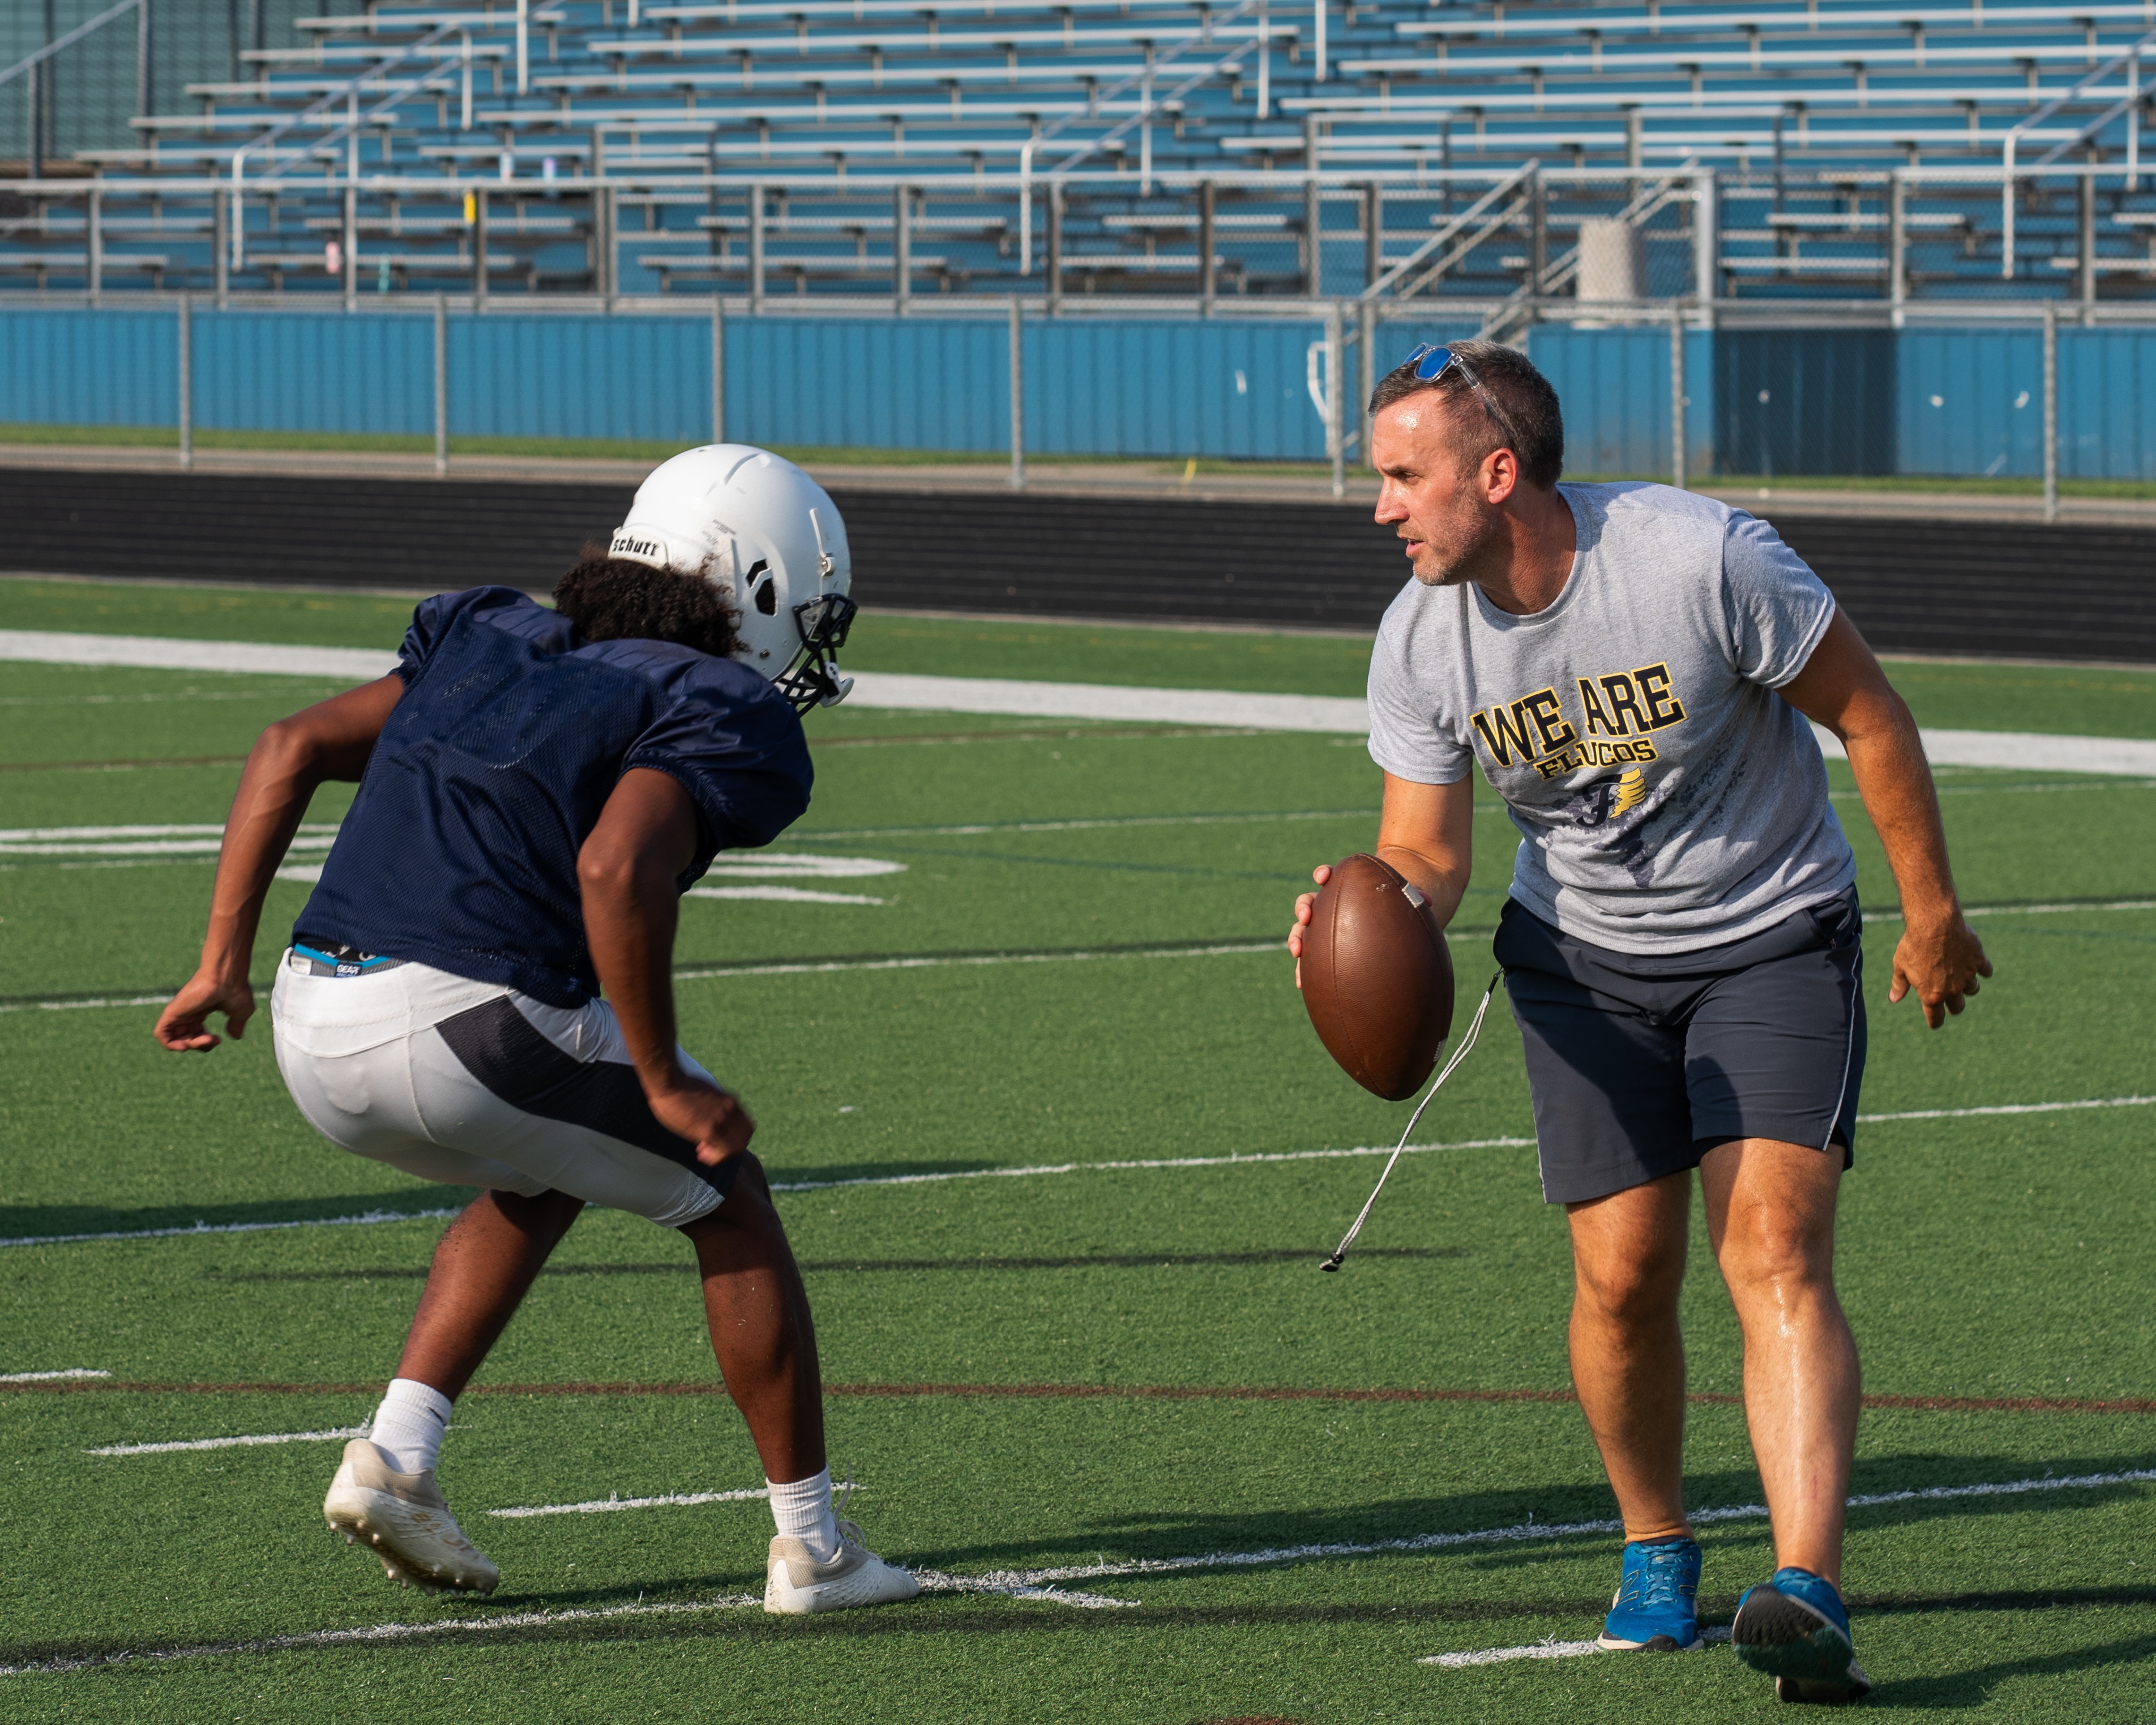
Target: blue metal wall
(1972, 401)
(1613, 386)
(88, 368)
(637, 379)
(2108, 375)
(1232, 390)
(290, 371)
(1947, 402)
(840, 382)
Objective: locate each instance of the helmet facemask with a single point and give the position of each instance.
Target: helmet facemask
(811, 678)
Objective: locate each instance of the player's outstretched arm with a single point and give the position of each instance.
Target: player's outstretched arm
(645, 841)
(330, 740)
(1939, 958)
(1427, 832)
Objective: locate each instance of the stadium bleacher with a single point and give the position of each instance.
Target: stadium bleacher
(1251, 149)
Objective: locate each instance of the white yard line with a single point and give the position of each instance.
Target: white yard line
(1348, 716)
(364, 1219)
(1179, 1162)
(1041, 1584)
(162, 653)
(942, 961)
(2057, 910)
(2007, 1108)
(50, 1377)
(1038, 1170)
(931, 1582)
(1870, 1500)
(252, 1441)
(785, 894)
(381, 1632)
(1518, 1532)
(1164, 1162)
(977, 828)
(605, 1506)
(2113, 756)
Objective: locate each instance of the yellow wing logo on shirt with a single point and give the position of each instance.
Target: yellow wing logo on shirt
(1631, 792)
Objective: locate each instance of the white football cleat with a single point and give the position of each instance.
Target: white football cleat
(402, 1518)
(795, 1584)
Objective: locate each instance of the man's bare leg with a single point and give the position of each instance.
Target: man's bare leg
(761, 1329)
(1770, 1216)
(1628, 1255)
(483, 1268)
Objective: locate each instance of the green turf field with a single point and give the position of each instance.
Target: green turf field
(1105, 1365)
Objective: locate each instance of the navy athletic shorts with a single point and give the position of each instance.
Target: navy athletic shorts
(1640, 1066)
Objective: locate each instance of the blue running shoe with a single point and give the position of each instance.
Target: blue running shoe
(1655, 1610)
(1795, 1628)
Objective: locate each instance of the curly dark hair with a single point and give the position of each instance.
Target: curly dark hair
(612, 600)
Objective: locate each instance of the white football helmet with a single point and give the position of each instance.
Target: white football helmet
(769, 537)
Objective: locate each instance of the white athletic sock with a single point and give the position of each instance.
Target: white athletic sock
(409, 1425)
(802, 1510)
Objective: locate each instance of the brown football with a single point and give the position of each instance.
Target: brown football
(1376, 978)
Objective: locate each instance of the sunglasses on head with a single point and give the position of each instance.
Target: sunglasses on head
(1431, 362)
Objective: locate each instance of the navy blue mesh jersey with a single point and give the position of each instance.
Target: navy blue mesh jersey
(460, 849)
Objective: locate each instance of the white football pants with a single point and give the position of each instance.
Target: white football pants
(470, 1084)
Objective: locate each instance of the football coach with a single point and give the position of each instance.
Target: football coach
(1634, 668)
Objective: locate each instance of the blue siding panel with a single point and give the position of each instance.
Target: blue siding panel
(847, 383)
(1944, 402)
(90, 367)
(1971, 402)
(641, 379)
(371, 374)
(1224, 390)
(2106, 415)
(1614, 386)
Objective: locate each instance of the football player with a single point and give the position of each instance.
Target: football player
(479, 991)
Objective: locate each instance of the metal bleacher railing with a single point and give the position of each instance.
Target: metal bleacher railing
(1104, 149)
(1528, 169)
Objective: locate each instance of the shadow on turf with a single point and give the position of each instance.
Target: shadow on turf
(947, 1615)
(1973, 1687)
(1113, 1538)
(843, 1266)
(43, 1219)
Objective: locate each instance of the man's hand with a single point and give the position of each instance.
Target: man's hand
(183, 1026)
(712, 1119)
(1938, 962)
(1842, 687)
(1321, 875)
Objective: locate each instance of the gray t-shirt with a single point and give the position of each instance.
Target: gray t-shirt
(1668, 798)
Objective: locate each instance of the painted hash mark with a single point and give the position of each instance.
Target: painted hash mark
(51, 1377)
(1538, 1649)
